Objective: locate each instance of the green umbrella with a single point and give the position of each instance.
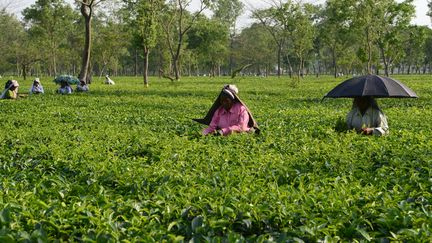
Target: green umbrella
(66, 78)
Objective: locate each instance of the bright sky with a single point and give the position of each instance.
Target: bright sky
(421, 9)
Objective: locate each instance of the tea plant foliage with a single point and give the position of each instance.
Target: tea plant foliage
(125, 164)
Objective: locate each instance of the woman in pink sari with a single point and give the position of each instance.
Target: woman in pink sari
(228, 115)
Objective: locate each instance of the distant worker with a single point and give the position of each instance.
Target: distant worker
(65, 88)
(108, 80)
(366, 118)
(36, 87)
(11, 90)
(82, 86)
(228, 115)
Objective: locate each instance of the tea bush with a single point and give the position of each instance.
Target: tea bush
(125, 164)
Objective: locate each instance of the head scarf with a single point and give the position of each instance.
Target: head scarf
(230, 90)
(9, 84)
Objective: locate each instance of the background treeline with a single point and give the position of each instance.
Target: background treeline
(174, 39)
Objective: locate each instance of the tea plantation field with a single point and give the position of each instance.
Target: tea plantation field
(126, 164)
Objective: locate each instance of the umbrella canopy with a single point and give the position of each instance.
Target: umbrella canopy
(373, 86)
(66, 78)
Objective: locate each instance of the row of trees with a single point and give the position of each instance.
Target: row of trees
(39, 38)
(167, 38)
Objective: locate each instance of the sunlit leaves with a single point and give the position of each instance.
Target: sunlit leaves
(130, 165)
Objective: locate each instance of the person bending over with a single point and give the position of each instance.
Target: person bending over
(36, 87)
(11, 90)
(229, 115)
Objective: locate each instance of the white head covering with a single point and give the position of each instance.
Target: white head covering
(37, 80)
(14, 83)
(231, 90)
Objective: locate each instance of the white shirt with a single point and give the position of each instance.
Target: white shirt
(372, 118)
(109, 81)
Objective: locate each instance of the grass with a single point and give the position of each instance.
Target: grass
(125, 163)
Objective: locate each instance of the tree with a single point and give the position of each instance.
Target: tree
(227, 12)
(255, 46)
(414, 47)
(302, 34)
(365, 21)
(291, 25)
(274, 21)
(109, 42)
(428, 52)
(336, 29)
(176, 22)
(209, 39)
(143, 16)
(87, 9)
(27, 54)
(429, 13)
(380, 22)
(392, 18)
(12, 34)
(49, 21)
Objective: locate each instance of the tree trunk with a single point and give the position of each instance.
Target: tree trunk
(24, 71)
(145, 67)
(101, 72)
(54, 64)
(177, 70)
(89, 73)
(176, 56)
(300, 68)
(86, 11)
(386, 64)
(369, 49)
(290, 69)
(231, 58)
(279, 53)
(334, 62)
(136, 63)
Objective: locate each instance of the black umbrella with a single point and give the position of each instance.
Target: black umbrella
(371, 85)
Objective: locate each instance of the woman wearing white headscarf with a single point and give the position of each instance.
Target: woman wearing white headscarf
(36, 87)
(11, 90)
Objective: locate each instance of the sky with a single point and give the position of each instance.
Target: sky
(421, 9)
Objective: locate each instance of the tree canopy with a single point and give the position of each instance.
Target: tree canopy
(171, 38)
